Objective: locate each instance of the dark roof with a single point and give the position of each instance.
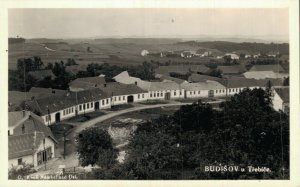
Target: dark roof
(177, 80)
(87, 82)
(58, 102)
(182, 69)
(237, 82)
(47, 90)
(284, 93)
(235, 69)
(116, 88)
(275, 68)
(274, 82)
(203, 78)
(41, 74)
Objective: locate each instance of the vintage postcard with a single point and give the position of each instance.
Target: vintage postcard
(151, 94)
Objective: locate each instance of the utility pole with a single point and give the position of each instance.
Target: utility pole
(65, 143)
(45, 154)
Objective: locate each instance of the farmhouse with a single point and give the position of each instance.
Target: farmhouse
(29, 140)
(55, 108)
(86, 83)
(281, 98)
(275, 68)
(16, 98)
(231, 70)
(203, 89)
(235, 85)
(203, 78)
(123, 93)
(264, 75)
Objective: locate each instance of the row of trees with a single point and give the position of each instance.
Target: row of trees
(246, 132)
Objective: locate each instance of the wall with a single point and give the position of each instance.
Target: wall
(160, 95)
(27, 159)
(277, 102)
(48, 143)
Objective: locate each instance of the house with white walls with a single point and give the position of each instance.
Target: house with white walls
(281, 98)
(203, 89)
(29, 140)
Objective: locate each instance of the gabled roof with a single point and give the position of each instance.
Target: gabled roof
(87, 82)
(234, 69)
(55, 103)
(181, 69)
(16, 116)
(177, 80)
(116, 88)
(264, 74)
(203, 78)
(165, 85)
(284, 93)
(47, 90)
(240, 82)
(125, 78)
(275, 68)
(41, 74)
(207, 85)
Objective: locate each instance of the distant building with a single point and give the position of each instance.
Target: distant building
(232, 56)
(231, 70)
(264, 75)
(182, 69)
(29, 140)
(281, 98)
(86, 83)
(144, 52)
(274, 67)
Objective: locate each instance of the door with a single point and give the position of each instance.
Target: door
(210, 93)
(57, 117)
(97, 105)
(168, 96)
(130, 99)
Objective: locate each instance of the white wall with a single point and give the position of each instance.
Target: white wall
(48, 143)
(14, 162)
(277, 102)
(160, 95)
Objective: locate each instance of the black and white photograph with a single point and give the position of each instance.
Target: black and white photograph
(149, 94)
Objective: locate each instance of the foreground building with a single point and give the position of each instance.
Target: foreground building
(203, 89)
(29, 140)
(281, 98)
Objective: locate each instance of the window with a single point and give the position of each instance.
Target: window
(80, 107)
(191, 93)
(92, 105)
(119, 98)
(20, 161)
(138, 96)
(174, 93)
(161, 94)
(84, 106)
(107, 101)
(88, 105)
(102, 102)
(216, 91)
(180, 93)
(229, 90)
(64, 112)
(8, 132)
(198, 92)
(143, 95)
(154, 94)
(151, 95)
(123, 98)
(194, 92)
(72, 109)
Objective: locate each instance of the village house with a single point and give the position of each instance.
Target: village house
(274, 67)
(231, 70)
(281, 98)
(54, 108)
(86, 83)
(203, 89)
(48, 91)
(235, 85)
(264, 75)
(232, 56)
(29, 140)
(123, 93)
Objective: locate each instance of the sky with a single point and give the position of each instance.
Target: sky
(91, 23)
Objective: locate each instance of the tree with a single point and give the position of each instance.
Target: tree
(20, 171)
(95, 147)
(216, 73)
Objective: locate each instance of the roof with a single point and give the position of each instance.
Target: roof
(264, 74)
(125, 78)
(55, 103)
(165, 85)
(47, 90)
(177, 80)
(284, 93)
(74, 69)
(274, 82)
(15, 117)
(24, 144)
(87, 82)
(275, 68)
(182, 69)
(237, 82)
(235, 69)
(116, 88)
(203, 78)
(41, 74)
(207, 85)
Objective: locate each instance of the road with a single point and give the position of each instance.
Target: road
(72, 160)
